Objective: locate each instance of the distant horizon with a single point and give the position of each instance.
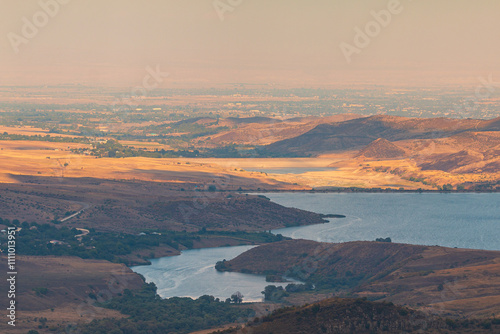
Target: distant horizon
(285, 43)
(474, 82)
(134, 77)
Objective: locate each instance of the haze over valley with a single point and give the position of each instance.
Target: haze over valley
(249, 167)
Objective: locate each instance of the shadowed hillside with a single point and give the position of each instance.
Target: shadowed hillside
(361, 132)
(467, 152)
(263, 130)
(358, 316)
(450, 162)
(64, 289)
(131, 206)
(381, 149)
(433, 277)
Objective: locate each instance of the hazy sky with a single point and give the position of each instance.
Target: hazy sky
(282, 42)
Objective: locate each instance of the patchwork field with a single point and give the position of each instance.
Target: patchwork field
(56, 160)
(337, 151)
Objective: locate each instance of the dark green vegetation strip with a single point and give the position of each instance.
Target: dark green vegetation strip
(113, 149)
(46, 138)
(46, 239)
(149, 313)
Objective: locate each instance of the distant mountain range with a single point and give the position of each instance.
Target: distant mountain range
(357, 133)
(432, 151)
(265, 130)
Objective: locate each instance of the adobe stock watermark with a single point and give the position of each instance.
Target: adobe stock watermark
(372, 29)
(225, 6)
(150, 81)
(31, 26)
(482, 92)
(12, 276)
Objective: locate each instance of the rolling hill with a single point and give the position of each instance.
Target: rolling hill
(131, 206)
(358, 316)
(381, 149)
(467, 152)
(356, 133)
(438, 279)
(263, 130)
(57, 288)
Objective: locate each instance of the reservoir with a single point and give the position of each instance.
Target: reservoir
(464, 220)
(192, 274)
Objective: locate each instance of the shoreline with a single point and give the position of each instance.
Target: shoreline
(360, 190)
(237, 242)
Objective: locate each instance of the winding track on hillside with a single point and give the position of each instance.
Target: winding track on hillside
(84, 205)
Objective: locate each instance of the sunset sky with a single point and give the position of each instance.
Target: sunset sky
(281, 42)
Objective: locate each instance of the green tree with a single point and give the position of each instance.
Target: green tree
(274, 293)
(237, 297)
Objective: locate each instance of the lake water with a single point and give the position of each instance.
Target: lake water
(452, 220)
(464, 220)
(192, 274)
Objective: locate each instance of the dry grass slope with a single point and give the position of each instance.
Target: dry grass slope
(443, 280)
